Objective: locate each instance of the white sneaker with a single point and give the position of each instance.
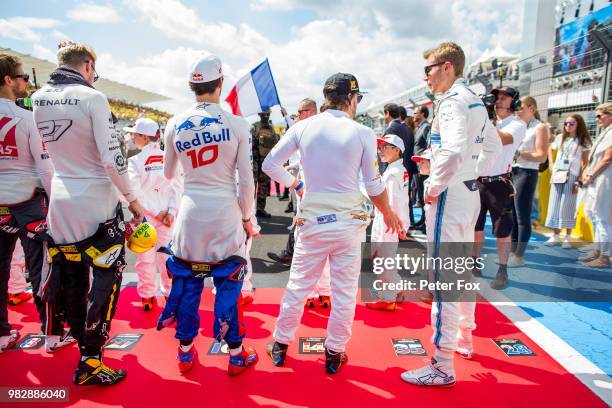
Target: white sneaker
(554, 240)
(515, 261)
(432, 374)
(567, 244)
(54, 343)
(6, 342)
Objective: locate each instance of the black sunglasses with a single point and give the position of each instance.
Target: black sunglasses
(428, 68)
(569, 123)
(599, 115)
(26, 77)
(359, 97)
(93, 66)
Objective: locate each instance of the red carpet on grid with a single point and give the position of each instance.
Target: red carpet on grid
(371, 378)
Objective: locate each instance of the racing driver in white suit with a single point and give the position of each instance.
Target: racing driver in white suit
(331, 218)
(159, 197)
(214, 220)
(85, 218)
(463, 143)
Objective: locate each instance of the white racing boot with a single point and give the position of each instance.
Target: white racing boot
(434, 374)
(6, 342)
(54, 343)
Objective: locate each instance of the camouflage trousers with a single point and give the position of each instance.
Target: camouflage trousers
(263, 187)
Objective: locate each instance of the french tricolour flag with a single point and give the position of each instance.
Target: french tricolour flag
(255, 92)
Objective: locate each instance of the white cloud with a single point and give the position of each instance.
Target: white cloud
(21, 28)
(58, 35)
(41, 52)
(94, 13)
(178, 21)
(381, 43)
(272, 4)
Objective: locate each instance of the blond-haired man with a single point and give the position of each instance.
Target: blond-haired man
(463, 142)
(85, 219)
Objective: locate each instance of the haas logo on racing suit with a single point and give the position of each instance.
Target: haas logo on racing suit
(8, 144)
(196, 123)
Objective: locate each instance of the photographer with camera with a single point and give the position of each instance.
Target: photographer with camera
(495, 185)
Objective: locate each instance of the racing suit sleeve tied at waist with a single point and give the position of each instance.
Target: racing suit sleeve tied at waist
(27, 217)
(328, 211)
(105, 249)
(184, 298)
(65, 284)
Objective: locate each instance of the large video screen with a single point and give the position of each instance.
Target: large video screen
(571, 43)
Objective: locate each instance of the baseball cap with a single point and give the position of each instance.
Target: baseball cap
(425, 155)
(392, 140)
(345, 83)
(205, 69)
(513, 93)
(144, 126)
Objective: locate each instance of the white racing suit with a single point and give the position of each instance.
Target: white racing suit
(76, 125)
(323, 285)
(210, 144)
(156, 194)
(464, 143)
(385, 244)
(25, 169)
(331, 218)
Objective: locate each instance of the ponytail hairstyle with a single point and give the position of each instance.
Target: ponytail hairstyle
(531, 102)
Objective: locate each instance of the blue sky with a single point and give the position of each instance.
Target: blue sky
(150, 43)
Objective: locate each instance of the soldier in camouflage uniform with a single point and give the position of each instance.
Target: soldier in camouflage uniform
(264, 139)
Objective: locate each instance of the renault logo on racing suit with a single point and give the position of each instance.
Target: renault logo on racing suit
(196, 123)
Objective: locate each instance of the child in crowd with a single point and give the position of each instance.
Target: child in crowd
(385, 244)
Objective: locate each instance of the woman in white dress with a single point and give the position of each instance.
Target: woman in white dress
(572, 154)
(597, 179)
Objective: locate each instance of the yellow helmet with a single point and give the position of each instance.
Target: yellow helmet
(143, 238)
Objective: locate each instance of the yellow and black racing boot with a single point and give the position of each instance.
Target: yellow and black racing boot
(93, 372)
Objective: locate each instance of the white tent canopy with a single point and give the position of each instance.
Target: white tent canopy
(489, 55)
